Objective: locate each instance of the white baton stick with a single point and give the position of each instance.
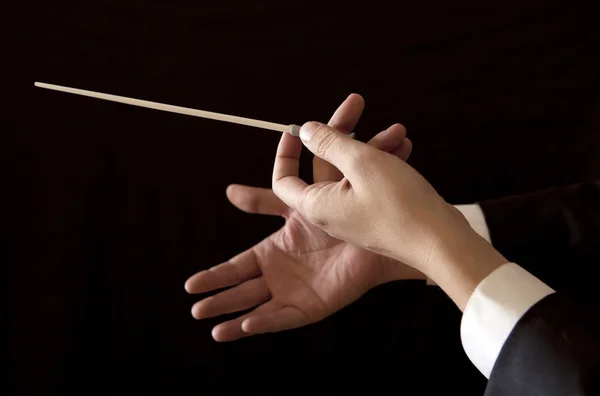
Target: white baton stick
(293, 129)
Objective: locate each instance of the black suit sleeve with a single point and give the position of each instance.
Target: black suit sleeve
(543, 230)
(558, 219)
(554, 350)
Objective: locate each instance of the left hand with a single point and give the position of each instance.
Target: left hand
(300, 274)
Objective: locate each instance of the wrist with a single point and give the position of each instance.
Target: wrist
(394, 270)
(462, 263)
(460, 257)
(476, 219)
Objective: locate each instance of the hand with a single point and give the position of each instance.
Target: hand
(383, 205)
(298, 275)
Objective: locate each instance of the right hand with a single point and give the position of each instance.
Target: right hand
(382, 204)
(300, 274)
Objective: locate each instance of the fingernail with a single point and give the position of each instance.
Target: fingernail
(245, 326)
(307, 130)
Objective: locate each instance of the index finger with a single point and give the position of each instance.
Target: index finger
(343, 120)
(286, 183)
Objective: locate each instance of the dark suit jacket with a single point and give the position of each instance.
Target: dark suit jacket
(549, 231)
(103, 207)
(555, 348)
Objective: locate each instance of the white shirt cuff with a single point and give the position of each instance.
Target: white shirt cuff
(476, 219)
(494, 309)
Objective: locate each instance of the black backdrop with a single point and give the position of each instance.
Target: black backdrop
(107, 209)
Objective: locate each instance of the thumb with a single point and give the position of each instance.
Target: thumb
(332, 146)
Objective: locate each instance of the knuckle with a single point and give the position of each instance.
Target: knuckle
(325, 139)
(320, 221)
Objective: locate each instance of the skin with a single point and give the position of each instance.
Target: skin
(300, 274)
(385, 206)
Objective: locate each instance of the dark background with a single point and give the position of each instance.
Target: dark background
(107, 209)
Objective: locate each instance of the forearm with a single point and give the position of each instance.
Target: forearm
(492, 293)
(466, 261)
(519, 333)
(476, 219)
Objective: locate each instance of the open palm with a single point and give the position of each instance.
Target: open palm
(299, 274)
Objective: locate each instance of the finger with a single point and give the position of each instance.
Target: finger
(237, 270)
(232, 329)
(343, 120)
(256, 200)
(390, 139)
(346, 116)
(283, 319)
(404, 151)
(332, 146)
(286, 183)
(247, 295)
